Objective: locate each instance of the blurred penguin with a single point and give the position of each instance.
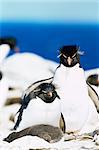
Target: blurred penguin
(3, 89)
(39, 106)
(93, 88)
(93, 79)
(78, 109)
(6, 44)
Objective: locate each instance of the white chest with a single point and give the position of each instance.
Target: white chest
(39, 112)
(75, 103)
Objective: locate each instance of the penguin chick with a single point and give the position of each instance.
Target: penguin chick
(47, 132)
(43, 104)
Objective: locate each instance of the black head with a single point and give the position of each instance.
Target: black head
(69, 56)
(47, 92)
(11, 41)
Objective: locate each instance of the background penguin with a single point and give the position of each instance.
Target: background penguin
(47, 132)
(78, 109)
(93, 79)
(3, 89)
(6, 44)
(93, 89)
(40, 106)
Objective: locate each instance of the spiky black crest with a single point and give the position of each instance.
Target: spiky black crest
(47, 86)
(69, 50)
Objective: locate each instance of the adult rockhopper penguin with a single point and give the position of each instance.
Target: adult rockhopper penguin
(78, 109)
(39, 106)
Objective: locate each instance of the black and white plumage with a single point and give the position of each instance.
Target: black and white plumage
(11, 41)
(78, 109)
(93, 95)
(7, 44)
(40, 106)
(69, 55)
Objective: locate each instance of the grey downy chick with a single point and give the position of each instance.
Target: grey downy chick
(49, 133)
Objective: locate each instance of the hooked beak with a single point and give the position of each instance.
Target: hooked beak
(69, 60)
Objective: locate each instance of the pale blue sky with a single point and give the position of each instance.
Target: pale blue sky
(50, 10)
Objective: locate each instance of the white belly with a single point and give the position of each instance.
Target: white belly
(39, 112)
(76, 105)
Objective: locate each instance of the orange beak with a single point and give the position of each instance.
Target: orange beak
(69, 60)
(49, 94)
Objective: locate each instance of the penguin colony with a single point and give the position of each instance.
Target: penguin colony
(66, 93)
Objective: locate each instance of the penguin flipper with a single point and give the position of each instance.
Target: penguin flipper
(19, 118)
(93, 95)
(24, 104)
(30, 93)
(62, 123)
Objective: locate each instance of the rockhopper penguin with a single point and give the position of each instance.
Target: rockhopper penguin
(39, 106)
(78, 109)
(6, 44)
